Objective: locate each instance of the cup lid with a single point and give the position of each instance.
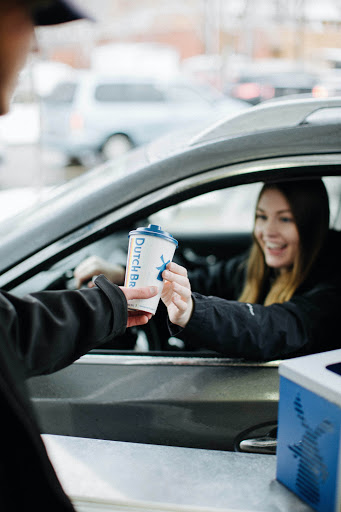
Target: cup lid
(154, 230)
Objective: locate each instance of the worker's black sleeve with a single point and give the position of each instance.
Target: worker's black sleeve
(49, 330)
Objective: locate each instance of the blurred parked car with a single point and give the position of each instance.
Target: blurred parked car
(194, 184)
(329, 85)
(257, 87)
(92, 114)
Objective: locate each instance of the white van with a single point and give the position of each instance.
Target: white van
(92, 114)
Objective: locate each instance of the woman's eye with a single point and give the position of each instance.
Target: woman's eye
(286, 219)
(260, 216)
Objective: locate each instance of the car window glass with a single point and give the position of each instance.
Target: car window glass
(333, 186)
(219, 211)
(116, 92)
(184, 94)
(143, 92)
(63, 93)
(109, 92)
(230, 210)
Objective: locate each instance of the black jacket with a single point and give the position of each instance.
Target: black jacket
(306, 324)
(40, 334)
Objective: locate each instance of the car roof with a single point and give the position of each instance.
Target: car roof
(275, 130)
(267, 116)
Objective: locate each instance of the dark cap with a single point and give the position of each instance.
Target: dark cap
(57, 11)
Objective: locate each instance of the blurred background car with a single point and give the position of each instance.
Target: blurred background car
(329, 85)
(259, 86)
(91, 114)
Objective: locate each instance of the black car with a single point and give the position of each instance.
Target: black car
(200, 185)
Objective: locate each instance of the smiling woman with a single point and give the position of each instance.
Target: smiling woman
(291, 225)
(273, 302)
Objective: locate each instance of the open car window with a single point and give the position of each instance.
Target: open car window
(209, 227)
(219, 211)
(231, 210)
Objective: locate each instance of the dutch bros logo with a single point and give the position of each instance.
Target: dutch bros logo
(134, 266)
(134, 261)
(162, 268)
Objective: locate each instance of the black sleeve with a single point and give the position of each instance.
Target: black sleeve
(49, 330)
(303, 325)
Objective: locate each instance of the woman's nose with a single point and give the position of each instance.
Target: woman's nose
(271, 228)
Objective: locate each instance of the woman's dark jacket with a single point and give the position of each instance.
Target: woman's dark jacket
(307, 323)
(40, 334)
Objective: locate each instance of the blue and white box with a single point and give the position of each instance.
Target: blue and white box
(309, 418)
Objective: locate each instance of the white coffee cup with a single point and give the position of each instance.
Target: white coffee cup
(150, 249)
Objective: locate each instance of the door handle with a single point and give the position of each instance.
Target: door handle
(266, 445)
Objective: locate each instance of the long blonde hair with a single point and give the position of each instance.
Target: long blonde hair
(308, 200)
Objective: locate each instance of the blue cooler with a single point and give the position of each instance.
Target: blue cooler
(309, 418)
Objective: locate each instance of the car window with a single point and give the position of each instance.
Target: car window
(109, 92)
(63, 93)
(333, 186)
(219, 211)
(115, 92)
(230, 210)
(201, 220)
(184, 94)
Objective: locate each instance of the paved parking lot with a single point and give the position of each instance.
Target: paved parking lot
(28, 165)
(26, 172)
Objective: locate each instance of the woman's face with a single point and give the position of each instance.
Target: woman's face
(276, 231)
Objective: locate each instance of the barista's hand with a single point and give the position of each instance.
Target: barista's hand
(94, 266)
(139, 317)
(176, 294)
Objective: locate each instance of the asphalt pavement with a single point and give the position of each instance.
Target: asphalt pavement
(30, 166)
(26, 172)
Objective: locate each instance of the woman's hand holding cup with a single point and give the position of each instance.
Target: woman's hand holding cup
(176, 294)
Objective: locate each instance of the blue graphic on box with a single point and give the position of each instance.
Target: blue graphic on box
(309, 433)
(311, 470)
